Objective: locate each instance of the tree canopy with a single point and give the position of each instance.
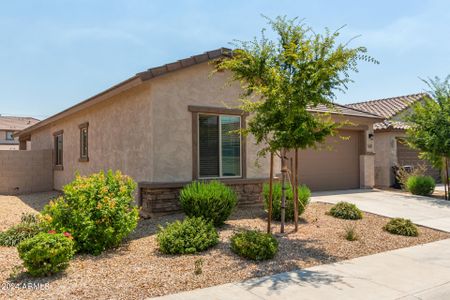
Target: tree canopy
(284, 78)
(430, 122)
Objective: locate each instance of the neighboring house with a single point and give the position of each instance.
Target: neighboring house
(170, 125)
(390, 148)
(8, 126)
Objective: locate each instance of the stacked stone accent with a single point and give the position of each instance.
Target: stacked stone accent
(162, 198)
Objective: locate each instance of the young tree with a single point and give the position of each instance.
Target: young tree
(430, 126)
(283, 79)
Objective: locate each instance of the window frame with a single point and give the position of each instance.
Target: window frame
(220, 146)
(58, 166)
(84, 127)
(205, 110)
(6, 135)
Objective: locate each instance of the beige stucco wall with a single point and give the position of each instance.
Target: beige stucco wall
(367, 171)
(119, 137)
(9, 147)
(147, 131)
(385, 157)
(25, 171)
(172, 130)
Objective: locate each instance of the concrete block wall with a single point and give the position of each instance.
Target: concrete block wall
(23, 172)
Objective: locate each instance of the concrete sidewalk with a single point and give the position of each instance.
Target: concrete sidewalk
(420, 272)
(426, 211)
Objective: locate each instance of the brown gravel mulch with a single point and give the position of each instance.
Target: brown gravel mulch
(137, 270)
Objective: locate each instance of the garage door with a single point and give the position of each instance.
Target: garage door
(335, 167)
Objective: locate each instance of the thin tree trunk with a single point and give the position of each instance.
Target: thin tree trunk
(283, 189)
(269, 220)
(296, 190)
(447, 181)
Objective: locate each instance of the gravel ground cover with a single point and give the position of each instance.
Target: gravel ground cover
(137, 270)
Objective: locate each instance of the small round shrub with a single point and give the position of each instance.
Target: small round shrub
(98, 210)
(254, 245)
(192, 235)
(27, 228)
(46, 253)
(401, 227)
(345, 210)
(212, 201)
(304, 195)
(421, 185)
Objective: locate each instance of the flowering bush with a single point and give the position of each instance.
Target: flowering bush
(98, 210)
(46, 253)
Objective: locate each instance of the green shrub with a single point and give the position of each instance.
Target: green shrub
(27, 228)
(254, 245)
(303, 199)
(421, 185)
(193, 235)
(401, 227)
(46, 253)
(98, 210)
(212, 201)
(345, 210)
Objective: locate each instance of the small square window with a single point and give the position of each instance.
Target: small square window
(9, 136)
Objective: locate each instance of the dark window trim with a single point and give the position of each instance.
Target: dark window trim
(219, 111)
(82, 127)
(6, 135)
(60, 166)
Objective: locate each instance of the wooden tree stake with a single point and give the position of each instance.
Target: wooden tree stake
(283, 189)
(269, 220)
(296, 190)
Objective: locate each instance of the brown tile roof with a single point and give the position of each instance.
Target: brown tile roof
(11, 123)
(390, 125)
(345, 110)
(388, 107)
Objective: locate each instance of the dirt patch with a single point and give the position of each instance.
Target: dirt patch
(12, 207)
(137, 270)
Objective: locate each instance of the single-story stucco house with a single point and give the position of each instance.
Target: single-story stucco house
(8, 126)
(391, 150)
(170, 125)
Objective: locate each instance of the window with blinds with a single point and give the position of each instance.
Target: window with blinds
(59, 150)
(219, 146)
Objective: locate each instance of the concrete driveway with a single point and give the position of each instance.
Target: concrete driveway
(420, 272)
(424, 211)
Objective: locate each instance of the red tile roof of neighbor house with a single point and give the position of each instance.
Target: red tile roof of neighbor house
(164, 69)
(389, 108)
(11, 123)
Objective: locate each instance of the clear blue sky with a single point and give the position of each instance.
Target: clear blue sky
(54, 54)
